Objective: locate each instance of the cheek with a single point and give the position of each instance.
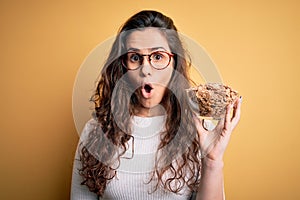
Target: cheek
(164, 76)
(133, 78)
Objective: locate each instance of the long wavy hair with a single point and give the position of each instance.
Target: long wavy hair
(177, 162)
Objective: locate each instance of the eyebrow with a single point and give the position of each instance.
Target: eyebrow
(151, 49)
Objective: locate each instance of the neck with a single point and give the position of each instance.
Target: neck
(149, 112)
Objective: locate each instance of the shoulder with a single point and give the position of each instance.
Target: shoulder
(89, 127)
(91, 123)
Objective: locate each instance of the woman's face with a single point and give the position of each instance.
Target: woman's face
(151, 82)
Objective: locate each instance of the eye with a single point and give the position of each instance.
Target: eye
(134, 57)
(156, 56)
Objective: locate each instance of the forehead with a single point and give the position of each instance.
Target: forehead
(148, 38)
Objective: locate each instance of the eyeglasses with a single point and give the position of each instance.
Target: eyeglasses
(158, 60)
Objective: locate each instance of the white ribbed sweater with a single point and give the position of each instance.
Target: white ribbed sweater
(131, 181)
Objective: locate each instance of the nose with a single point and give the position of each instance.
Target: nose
(146, 67)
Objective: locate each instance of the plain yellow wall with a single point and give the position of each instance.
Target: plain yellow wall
(255, 45)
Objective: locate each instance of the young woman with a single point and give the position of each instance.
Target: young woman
(144, 142)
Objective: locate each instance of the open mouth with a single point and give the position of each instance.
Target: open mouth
(148, 88)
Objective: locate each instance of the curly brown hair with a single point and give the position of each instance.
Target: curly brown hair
(179, 147)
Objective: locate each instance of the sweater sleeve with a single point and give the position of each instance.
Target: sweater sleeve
(78, 191)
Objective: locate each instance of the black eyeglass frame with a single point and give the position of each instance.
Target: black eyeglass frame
(149, 59)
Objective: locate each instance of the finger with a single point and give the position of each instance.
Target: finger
(234, 104)
(237, 111)
(227, 122)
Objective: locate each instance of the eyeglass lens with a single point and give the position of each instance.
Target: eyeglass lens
(158, 59)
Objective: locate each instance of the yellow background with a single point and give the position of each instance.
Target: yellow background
(255, 45)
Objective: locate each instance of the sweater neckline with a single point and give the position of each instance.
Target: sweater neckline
(148, 127)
